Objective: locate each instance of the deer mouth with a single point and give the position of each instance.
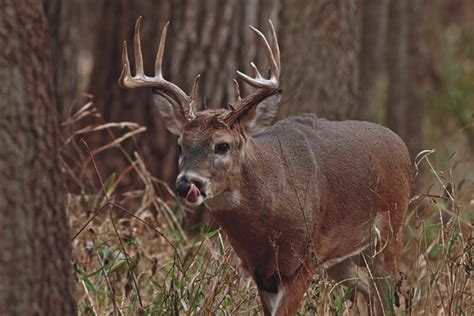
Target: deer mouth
(192, 189)
(194, 197)
(193, 194)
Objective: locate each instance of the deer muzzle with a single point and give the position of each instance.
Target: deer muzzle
(191, 189)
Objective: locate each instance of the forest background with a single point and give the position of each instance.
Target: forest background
(408, 65)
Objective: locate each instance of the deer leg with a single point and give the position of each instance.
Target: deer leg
(382, 264)
(290, 291)
(346, 272)
(382, 286)
(271, 301)
(286, 301)
(267, 290)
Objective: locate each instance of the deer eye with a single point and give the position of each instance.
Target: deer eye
(221, 148)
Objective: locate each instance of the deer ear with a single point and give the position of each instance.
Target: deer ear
(169, 111)
(260, 117)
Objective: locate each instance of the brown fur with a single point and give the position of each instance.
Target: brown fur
(307, 185)
(303, 188)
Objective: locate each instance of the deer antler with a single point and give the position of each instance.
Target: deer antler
(128, 81)
(265, 87)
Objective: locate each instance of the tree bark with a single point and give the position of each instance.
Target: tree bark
(374, 24)
(418, 66)
(320, 44)
(408, 65)
(398, 67)
(207, 37)
(63, 27)
(35, 269)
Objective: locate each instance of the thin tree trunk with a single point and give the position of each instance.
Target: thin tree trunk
(320, 44)
(63, 25)
(418, 65)
(35, 268)
(208, 37)
(408, 65)
(397, 67)
(374, 23)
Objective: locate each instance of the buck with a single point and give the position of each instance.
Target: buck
(300, 194)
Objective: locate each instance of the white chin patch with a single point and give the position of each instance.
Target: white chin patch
(199, 201)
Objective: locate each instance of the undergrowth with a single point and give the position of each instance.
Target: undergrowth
(132, 255)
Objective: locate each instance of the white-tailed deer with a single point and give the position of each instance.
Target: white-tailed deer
(303, 192)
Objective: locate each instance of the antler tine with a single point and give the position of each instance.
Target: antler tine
(273, 56)
(194, 90)
(138, 49)
(275, 46)
(268, 51)
(237, 90)
(255, 71)
(161, 52)
(125, 74)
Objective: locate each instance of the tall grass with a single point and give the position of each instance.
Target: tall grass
(132, 255)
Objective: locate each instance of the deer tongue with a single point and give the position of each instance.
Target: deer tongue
(193, 194)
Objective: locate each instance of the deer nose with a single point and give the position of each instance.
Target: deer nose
(184, 184)
(182, 187)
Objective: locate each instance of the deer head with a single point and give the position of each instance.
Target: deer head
(212, 143)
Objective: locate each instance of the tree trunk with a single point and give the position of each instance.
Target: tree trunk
(64, 30)
(408, 64)
(374, 22)
(35, 268)
(210, 37)
(320, 48)
(418, 81)
(397, 67)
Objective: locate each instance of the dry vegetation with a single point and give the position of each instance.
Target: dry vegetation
(132, 255)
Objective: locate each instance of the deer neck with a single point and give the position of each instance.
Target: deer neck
(248, 212)
(260, 168)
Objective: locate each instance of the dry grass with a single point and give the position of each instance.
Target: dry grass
(132, 256)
